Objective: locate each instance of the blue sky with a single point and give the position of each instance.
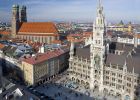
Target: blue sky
(73, 10)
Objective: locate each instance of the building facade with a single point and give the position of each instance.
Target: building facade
(43, 32)
(43, 67)
(110, 68)
(121, 27)
(129, 39)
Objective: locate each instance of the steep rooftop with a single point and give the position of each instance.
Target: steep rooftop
(38, 28)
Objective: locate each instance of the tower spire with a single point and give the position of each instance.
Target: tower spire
(100, 16)
(100, 3)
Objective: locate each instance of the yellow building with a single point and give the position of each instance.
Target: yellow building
(43, 67)
(121, 27)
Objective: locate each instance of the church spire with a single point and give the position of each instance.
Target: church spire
(99, 26)
(100, 16)
(100, 3)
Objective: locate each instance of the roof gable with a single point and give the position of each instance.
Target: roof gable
(43, 57)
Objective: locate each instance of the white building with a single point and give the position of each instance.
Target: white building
(109, 68)
(130, 39)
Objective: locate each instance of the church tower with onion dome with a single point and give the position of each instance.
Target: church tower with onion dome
(15, 20)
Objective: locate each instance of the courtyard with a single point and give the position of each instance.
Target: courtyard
(61, 93)
(62, 88)
(84, 89)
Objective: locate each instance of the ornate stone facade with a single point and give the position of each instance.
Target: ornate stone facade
(110, 68)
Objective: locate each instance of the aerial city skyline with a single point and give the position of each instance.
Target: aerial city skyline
(69, 50)
(73, 10)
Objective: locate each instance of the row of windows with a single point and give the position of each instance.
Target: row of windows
(80, 70)
(79, 60)
(120, 76)
(113, 79)
(98, 41)
(125, 40)
(80, 65)
(82, 75)
(128, 79)
(115, 67)
(113, 74)
(108, 73)
(47, 39)
(116, 85)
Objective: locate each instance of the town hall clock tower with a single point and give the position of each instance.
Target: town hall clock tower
(97, 49)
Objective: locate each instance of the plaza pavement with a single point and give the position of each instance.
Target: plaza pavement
(57, 90)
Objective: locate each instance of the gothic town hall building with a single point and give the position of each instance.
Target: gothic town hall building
(112, 68)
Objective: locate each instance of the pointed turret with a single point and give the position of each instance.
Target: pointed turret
(71, 50)
(22, 14)
(100, 16)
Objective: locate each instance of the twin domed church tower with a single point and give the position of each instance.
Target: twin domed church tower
(42, 32)
(18, 15)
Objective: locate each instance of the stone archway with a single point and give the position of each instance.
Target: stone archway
(105, 91)
(87, 85)
(78, 81)
(82, 82)
(118, 95)
(96, 86)
(73, 79)
(111, 92)
(96, 83)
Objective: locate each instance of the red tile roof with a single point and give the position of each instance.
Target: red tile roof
(37, 28)
(39, 34)
(78, 37)
(2, 46)
(57, 42)
(87, 34)
(43, 57)
(5, 32)
(74, 37)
